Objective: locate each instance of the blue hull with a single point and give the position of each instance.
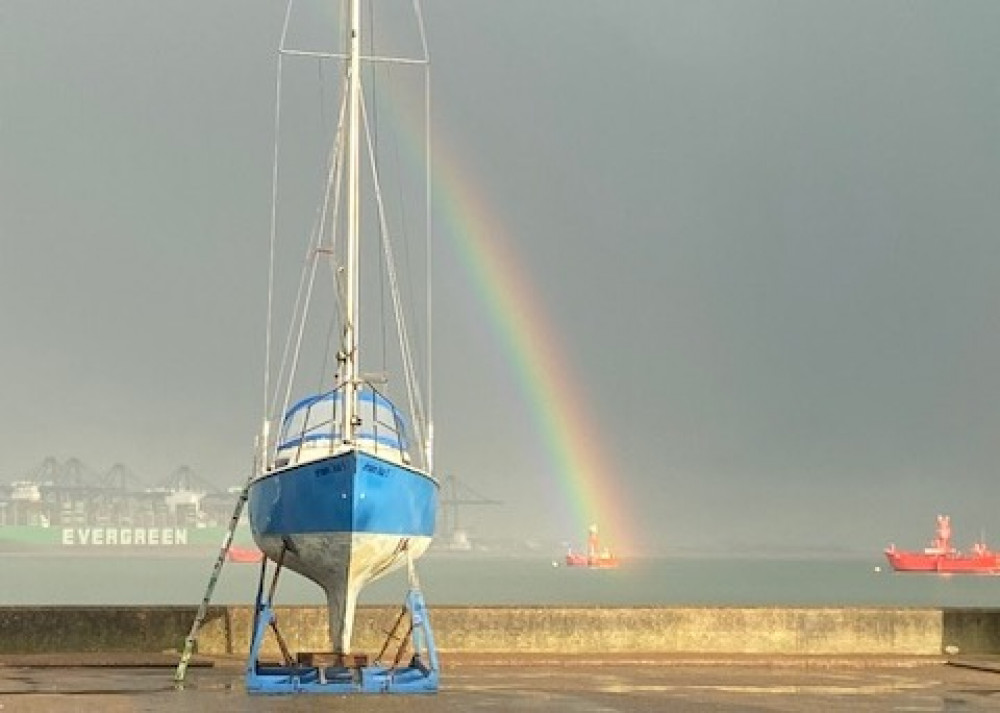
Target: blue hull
(343, 521)
(352, 492)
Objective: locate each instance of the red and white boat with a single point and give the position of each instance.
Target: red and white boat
(595, 556)
(943, 558)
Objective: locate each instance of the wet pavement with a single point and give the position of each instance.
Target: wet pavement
(481, 684)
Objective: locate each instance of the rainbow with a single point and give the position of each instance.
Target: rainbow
(586, 475)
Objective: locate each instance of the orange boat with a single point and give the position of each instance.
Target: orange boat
(943, 558)
(594, 557)
(244, 555)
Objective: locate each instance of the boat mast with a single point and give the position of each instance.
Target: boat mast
(350, 347)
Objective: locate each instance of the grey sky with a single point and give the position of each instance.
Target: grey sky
(765, 233)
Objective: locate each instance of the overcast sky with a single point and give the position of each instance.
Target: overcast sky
(765, 234)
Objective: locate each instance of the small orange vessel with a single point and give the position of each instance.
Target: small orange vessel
(244, 555)
(942, 557)
(595, 556)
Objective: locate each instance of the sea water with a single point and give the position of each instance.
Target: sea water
(468, 579)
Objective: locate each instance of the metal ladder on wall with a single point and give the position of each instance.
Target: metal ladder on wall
(199, 619)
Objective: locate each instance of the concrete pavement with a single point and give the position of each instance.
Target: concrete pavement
(576, 685)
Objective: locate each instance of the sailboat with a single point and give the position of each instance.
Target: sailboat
(345, 492)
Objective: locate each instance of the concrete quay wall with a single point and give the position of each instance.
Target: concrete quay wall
(522, 629)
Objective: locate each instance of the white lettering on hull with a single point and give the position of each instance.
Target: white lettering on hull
(124, 536)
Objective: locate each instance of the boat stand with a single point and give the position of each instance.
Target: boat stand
(325, 672)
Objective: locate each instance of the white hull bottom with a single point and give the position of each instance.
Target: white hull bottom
(342, 563)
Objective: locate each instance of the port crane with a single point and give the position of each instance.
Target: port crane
(458, 495)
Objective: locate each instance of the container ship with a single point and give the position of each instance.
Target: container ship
(942, 557)
(65, 508)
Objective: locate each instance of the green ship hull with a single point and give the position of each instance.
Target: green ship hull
(116, 538)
